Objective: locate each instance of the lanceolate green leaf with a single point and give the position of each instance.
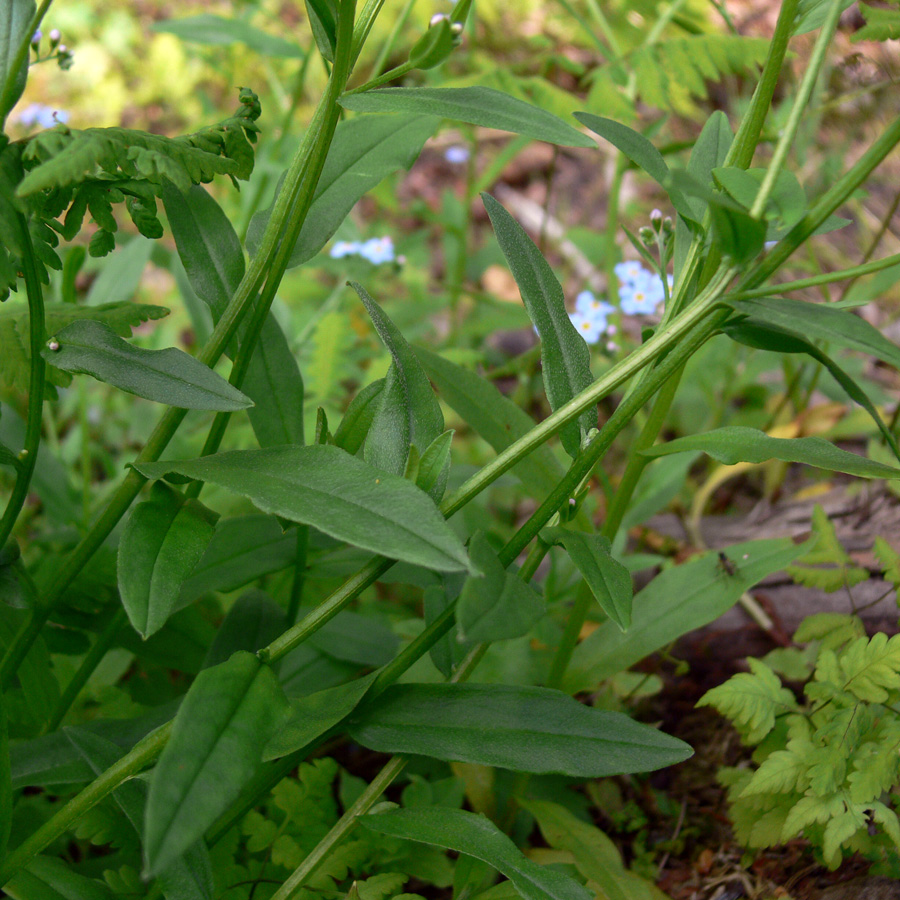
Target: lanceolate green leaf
(642, 153)
(243, 548)
(477, 836)
(497, 419)
(357, 419)
(778, 338)
(311, 716)
(213, 260)
(365, 150)
(608, 579)
(818, 321)
(434, 466)
(164, 538)
(15, 17)
(496, 605)
(736, 443)
(207, 244)
(564, 354)
(229, 714)
(475, 105)
(188, 878)
(251, 623)
(678, 600)
(528, 729)
(46, 878)
(218, 31)
(168, 376)
(274, 384)
(340, 495)
(408, 413)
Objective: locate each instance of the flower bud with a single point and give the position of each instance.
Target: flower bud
(36, 38)
(646, 235)
(55, 37)
(456, 28)
(656, 218)
(437, 18)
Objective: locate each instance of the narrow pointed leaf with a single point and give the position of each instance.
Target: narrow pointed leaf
(213, 260)
(677, 601)
(357, 419)
(434, 467)
(167, 376)
(207, 244)
(528, 729)
(164, 538)
(229, 714)
(242, 549)
(781, 339)
(365, 150)
(565, 356)
(219, 31)
(495, 417)
(642, 153)
(608, 579)
(818, 321)
(340, 495)
(47, 878)
(496, 605)
(314, 714)
(408, 414)
(477, 836)
(736, 443)
(475, 105)
(15, 18)
(274, 384)
(189, 877)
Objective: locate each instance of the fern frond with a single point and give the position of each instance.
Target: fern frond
(827, 566)
(63, 157)
(890, 561)
(675, 73)
(872, 667)
(832, 629)
(876, 763)
(751, 700)
(881, 24)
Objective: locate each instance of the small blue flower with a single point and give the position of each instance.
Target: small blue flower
(588, 305)
(378, 250)
(631, 272)
(45, 116)
(642, 297)
(589, 328)
(456, 155)
(344, 248)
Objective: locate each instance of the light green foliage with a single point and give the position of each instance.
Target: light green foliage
(751, 701)
(827, 566)
(826, 768)
(674, 73)
(882, 24)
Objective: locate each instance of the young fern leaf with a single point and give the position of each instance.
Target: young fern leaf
(751, 700)
(827, 566)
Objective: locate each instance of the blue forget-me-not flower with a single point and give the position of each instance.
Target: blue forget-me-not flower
(640, 290)
(45, 116)
(375, 250)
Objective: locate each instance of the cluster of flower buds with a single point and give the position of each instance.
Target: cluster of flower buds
(58, 51)
(437, 18)
(660, 230)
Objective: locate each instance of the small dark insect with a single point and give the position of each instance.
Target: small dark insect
(726, 564)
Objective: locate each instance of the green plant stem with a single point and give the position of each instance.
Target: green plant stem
(853, 273)
(21, 57)
(636, 461)
(776, 164)
(745, 141)
(128, 766)
(287, 218)
(115, 619)
(29, 452)
(827, 204)
(365, 801)
(660, 342)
